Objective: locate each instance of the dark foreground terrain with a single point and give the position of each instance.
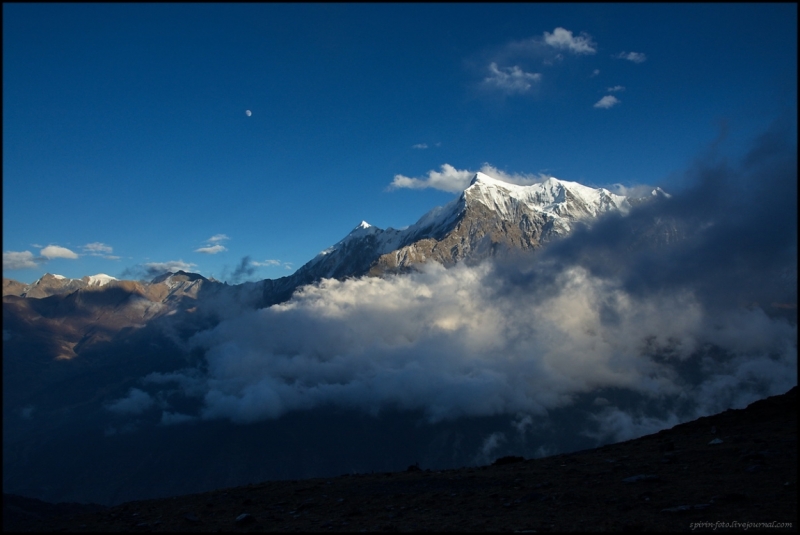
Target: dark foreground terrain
(716, 473)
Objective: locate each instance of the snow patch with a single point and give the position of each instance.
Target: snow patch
(100, 279)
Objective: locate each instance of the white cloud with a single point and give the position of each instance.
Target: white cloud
(211, 249)
(615, 89)
(636, 57)
(19, 260)
(420, 146)
(510, 80)
(55, 251)
(594, 73)
(218, 237)
(448, 179)
(456, 180)
(564, 40)
(607, 102)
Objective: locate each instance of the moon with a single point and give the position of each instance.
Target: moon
(248, 113)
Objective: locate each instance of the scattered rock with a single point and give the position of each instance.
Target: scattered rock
(191, 517)
(508, 459)
(244, 518)
(715, 441)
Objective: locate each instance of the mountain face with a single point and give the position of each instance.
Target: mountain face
(489, 218)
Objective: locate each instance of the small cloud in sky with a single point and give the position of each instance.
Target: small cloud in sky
(213, 246)
(563, 39)
(606, 102)
(99, 249)
(18, 260)
(56, 251)
(511, 79)
(211, 249)
(456, 180)
(594, 73)
(420, 146)
(636, 57)
(615, 89)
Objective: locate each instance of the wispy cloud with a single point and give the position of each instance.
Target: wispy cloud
(595, 72)
(99, 249)
(18, 260)
(636, 57)
(606, 102)
(56, 251)
(420, 146)
(456, 180)
(213, 245)
(211, 249)
(273, 263)
(511, 79)
(563, 39)
(615, 89)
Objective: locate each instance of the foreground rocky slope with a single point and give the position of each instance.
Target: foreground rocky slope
(718, 473)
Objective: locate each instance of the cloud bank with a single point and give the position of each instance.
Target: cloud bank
(671, 304)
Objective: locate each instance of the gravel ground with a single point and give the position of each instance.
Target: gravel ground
(716, 473)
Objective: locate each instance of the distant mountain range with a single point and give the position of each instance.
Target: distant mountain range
(488, 219)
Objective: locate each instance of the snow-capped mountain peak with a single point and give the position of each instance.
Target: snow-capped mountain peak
(490, 215)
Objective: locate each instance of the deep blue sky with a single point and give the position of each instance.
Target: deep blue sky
(126, 143)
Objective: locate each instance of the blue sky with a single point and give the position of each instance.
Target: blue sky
(126, 143)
